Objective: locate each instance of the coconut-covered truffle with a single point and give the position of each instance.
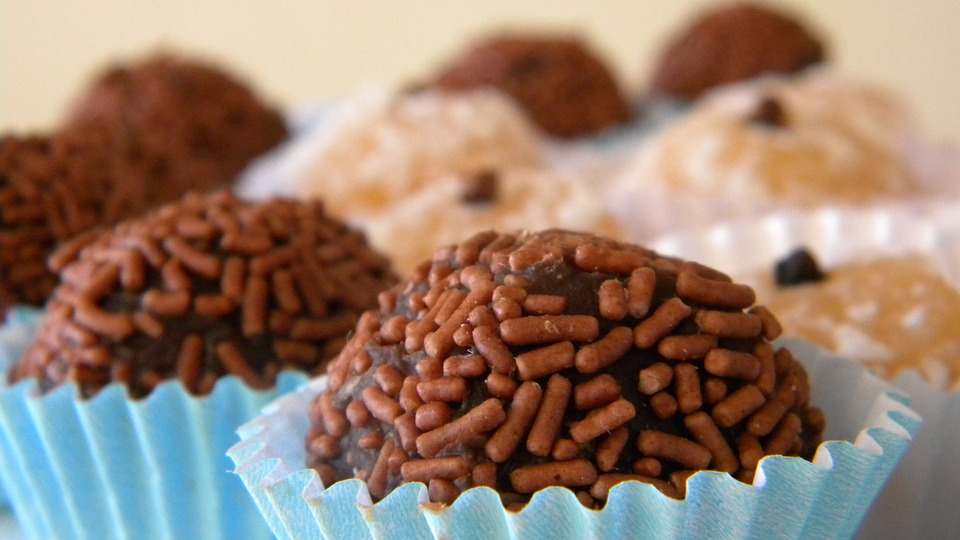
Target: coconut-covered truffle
(188, 124)
(811, 139)
(379, 149)
(891, 313)
(734, 43)
(50, 190)
(565, 87)
(202, 288)
(454, 207)
(559, 358)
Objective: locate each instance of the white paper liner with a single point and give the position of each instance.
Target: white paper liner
(921, 497)
(112, 467)
(790, 497)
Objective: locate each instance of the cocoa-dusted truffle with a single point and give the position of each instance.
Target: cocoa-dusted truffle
(558, 358)
(189, 124)
(202, 288)
(734, 43)
(50, 190)
(565, 87)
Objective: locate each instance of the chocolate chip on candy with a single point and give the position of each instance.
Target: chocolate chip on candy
(769, 113)
(481, 188)
(202, 288)
(559, 358)
(797, 268)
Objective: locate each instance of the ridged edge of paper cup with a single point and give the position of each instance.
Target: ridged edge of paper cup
(115, 467)
(791, 497)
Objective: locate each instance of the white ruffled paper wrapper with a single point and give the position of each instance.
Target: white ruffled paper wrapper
(112, 467)
(790, 498)
(920, 500)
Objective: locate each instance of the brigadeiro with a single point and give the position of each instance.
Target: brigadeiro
(562, 84)
(574, 384)
(164, 334)
(52, 188)
(732, 43)
(520, 362)
(202, 288)
(192, 125)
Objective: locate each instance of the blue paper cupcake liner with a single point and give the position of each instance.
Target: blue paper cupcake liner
(15, 335)
(114, 467)
(790, 497)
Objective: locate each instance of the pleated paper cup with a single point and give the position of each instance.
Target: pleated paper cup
(15, 334)
(920, 499)
(114, 467)
(790, 497)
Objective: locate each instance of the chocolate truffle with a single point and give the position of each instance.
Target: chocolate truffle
(50, 190)
(565, 87)
(734, 43)
(201, 288)
(190, 125)
(559, 358)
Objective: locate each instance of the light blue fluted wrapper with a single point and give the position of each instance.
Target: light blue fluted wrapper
(790, 498)
(15, 335)
(113, 467)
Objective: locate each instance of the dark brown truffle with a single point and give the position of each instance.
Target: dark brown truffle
(202, 288)
(50, 190)
(563, 86)
(188, 124)
(734, 43)
(557, 358)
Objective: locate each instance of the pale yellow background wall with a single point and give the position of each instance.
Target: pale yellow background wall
(297, 51)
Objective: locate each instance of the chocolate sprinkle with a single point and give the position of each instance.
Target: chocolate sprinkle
(650, 388)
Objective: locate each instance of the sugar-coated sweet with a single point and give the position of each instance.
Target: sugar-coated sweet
(892, 313)
(377, 150)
